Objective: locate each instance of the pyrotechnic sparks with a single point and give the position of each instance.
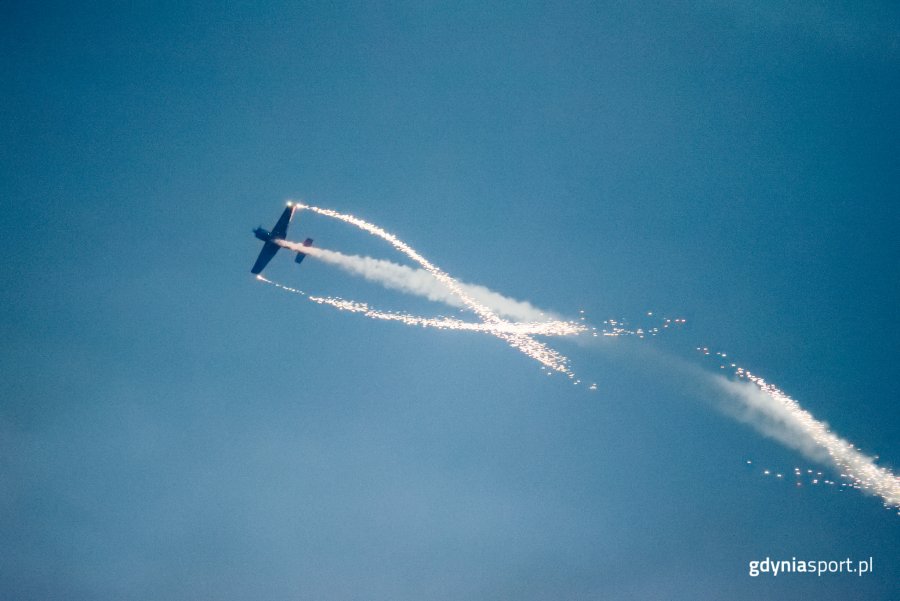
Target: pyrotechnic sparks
(859, 469)
(815, 478)
(545, 328)
(515, 334)
(775, 408)
(768, 408)
(530, 320)
(616, 327)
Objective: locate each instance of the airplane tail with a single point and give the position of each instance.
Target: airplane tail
(300, 255)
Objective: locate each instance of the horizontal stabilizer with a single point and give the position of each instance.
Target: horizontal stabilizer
(301, 255)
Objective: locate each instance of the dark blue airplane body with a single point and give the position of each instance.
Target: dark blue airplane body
(271, 246)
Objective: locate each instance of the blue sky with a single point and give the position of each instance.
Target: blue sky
(171, 428)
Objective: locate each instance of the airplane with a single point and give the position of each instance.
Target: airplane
(271, 239)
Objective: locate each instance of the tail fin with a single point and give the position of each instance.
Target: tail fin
(300, 256)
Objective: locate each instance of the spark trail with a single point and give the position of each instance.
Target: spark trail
(765, 406)
(543, 328)
(516, 335)
(775, 413)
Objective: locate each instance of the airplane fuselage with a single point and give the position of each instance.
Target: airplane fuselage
(263, 234)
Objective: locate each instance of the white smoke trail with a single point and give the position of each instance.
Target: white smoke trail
(494, 325)
(420, 282)
(776, 414)
(768, 416)
(479, 309)
(761, 404)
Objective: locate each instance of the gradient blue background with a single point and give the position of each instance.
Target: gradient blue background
(172, 429)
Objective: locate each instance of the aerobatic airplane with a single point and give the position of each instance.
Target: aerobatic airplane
(271, 239)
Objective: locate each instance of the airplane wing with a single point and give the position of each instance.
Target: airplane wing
(265, 255)
(280, 229)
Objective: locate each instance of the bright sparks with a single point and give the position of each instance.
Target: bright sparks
(518, 335)
(857, 470)
(543, 328)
